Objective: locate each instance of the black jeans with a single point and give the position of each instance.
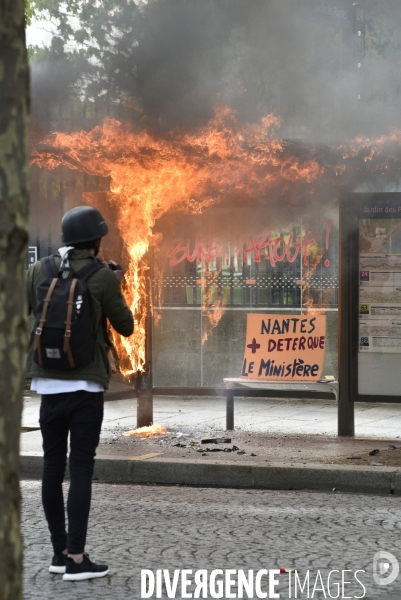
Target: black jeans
(80, 414)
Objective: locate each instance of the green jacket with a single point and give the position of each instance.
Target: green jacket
(107, 302)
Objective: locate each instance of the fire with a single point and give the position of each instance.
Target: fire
(212, 311)
(186, 171)
(314, 260)
(189, 171)
(149, 431)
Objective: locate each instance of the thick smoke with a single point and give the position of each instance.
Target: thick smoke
(175, 61)
(295, 59)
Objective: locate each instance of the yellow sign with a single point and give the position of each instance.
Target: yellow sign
(284, 347)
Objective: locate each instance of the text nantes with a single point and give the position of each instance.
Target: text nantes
(292, 335)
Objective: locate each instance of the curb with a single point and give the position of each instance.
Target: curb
(277, 476)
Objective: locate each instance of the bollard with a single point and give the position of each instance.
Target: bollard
(144, 410)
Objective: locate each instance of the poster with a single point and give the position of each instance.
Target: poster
(380, 281)
(284, 347)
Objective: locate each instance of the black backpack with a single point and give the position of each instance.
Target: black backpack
(63, 336)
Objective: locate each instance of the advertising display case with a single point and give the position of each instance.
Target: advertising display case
(371, 271)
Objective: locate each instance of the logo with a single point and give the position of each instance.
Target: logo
(385, 568)
(52, 353)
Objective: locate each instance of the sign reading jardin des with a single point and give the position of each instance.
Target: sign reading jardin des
(284, 347)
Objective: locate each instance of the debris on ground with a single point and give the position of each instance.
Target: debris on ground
(374, 452)
(217, 441)
(261, 447)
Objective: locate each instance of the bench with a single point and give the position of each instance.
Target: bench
(275, 389)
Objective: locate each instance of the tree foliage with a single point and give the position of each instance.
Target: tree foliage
(29, 12)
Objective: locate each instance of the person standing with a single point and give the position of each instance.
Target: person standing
(72, 400)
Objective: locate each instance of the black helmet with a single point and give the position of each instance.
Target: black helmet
(82, 224)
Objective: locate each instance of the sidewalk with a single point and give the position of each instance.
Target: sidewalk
(277, 444)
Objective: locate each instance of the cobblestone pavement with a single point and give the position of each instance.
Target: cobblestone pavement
(150, 527)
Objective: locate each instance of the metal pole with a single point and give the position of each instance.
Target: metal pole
(201, 326)
(144, 411)
(230, 410)
(145, 397)
(149, 328)
(346, 412)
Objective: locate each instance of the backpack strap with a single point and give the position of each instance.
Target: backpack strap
(88, 270)
(50, 269)
(84, 274)
(68, 322)
(49, 266)
(39, 329)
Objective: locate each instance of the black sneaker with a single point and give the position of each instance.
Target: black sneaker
(84, 570)
(58, 563)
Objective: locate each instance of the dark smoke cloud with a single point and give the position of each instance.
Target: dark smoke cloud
(262, 56)
(178, 59)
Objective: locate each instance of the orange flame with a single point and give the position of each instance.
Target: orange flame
(151, 176)
(212, 311)
(149, 431)
(186, 171)
(313, 262)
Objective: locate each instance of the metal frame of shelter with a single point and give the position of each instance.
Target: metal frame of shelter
(351, 211)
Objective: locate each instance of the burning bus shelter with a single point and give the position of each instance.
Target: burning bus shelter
(211, 225)
(233, 245)
(223, 199)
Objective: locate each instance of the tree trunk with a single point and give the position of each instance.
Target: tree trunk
(14, 105)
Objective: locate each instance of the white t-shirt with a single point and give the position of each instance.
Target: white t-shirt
(43, 385)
